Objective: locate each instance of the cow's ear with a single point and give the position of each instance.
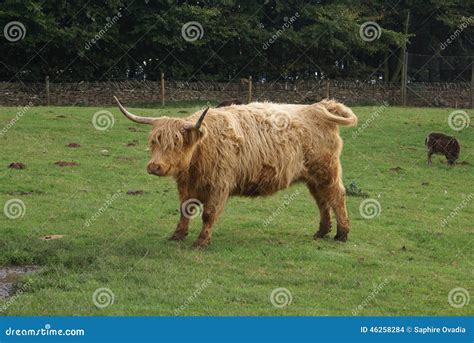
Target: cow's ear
(193, 135)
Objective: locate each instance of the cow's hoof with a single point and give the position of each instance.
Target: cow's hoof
(341, 237)
(320, 234)
(201, 243)
(177, 237)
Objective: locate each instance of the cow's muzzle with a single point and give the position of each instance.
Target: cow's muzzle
(155, 169)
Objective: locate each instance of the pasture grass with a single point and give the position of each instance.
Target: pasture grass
(402, 262)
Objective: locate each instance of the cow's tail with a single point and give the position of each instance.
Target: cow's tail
(337, 112)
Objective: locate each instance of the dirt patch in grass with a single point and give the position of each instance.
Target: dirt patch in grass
(73, 145)
(66, 164)
(17, 165)
(396, 169)
(52, 237)
(19, 193)
(126, 158)
(136, 192)
(11, 275)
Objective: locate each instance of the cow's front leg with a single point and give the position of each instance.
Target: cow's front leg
(181, 229)
(183, 225)
(430, 153)
(212, 209)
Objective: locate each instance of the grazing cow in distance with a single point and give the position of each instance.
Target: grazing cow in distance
(251, 150)
(229, 103)
(439, 143)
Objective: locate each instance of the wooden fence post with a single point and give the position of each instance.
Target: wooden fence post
(405, 63)
(162, 89)
(47, 90)
(250, 90)
(472, 84)
(403, 90)
(328, 89)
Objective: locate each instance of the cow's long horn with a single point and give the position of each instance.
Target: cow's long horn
(131, 116)
(199, 122)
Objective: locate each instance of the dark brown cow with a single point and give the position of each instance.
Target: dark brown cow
(229, 103)
(439, 143)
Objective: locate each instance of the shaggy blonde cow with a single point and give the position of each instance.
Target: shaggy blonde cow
(251, 150)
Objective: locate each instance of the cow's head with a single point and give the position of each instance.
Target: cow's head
(172, 142)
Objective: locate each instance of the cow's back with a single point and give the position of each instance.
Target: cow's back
(259, 148)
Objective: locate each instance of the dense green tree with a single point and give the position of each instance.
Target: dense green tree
(272, 39)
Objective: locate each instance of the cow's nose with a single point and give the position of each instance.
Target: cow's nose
(154, 169)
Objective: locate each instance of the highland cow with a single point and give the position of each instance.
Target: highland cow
(439, 143)
(251, 150)
(229, 103)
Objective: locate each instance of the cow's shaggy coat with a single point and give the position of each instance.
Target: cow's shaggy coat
(252, 150)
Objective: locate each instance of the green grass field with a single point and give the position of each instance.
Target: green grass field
(402, 262)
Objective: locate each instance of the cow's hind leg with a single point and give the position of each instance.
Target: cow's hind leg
(338, 203)
(329, 186)
(213, 207)
(338, 199)
(321, 195)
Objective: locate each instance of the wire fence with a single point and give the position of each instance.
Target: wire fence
(427, 80)
(436, 80)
